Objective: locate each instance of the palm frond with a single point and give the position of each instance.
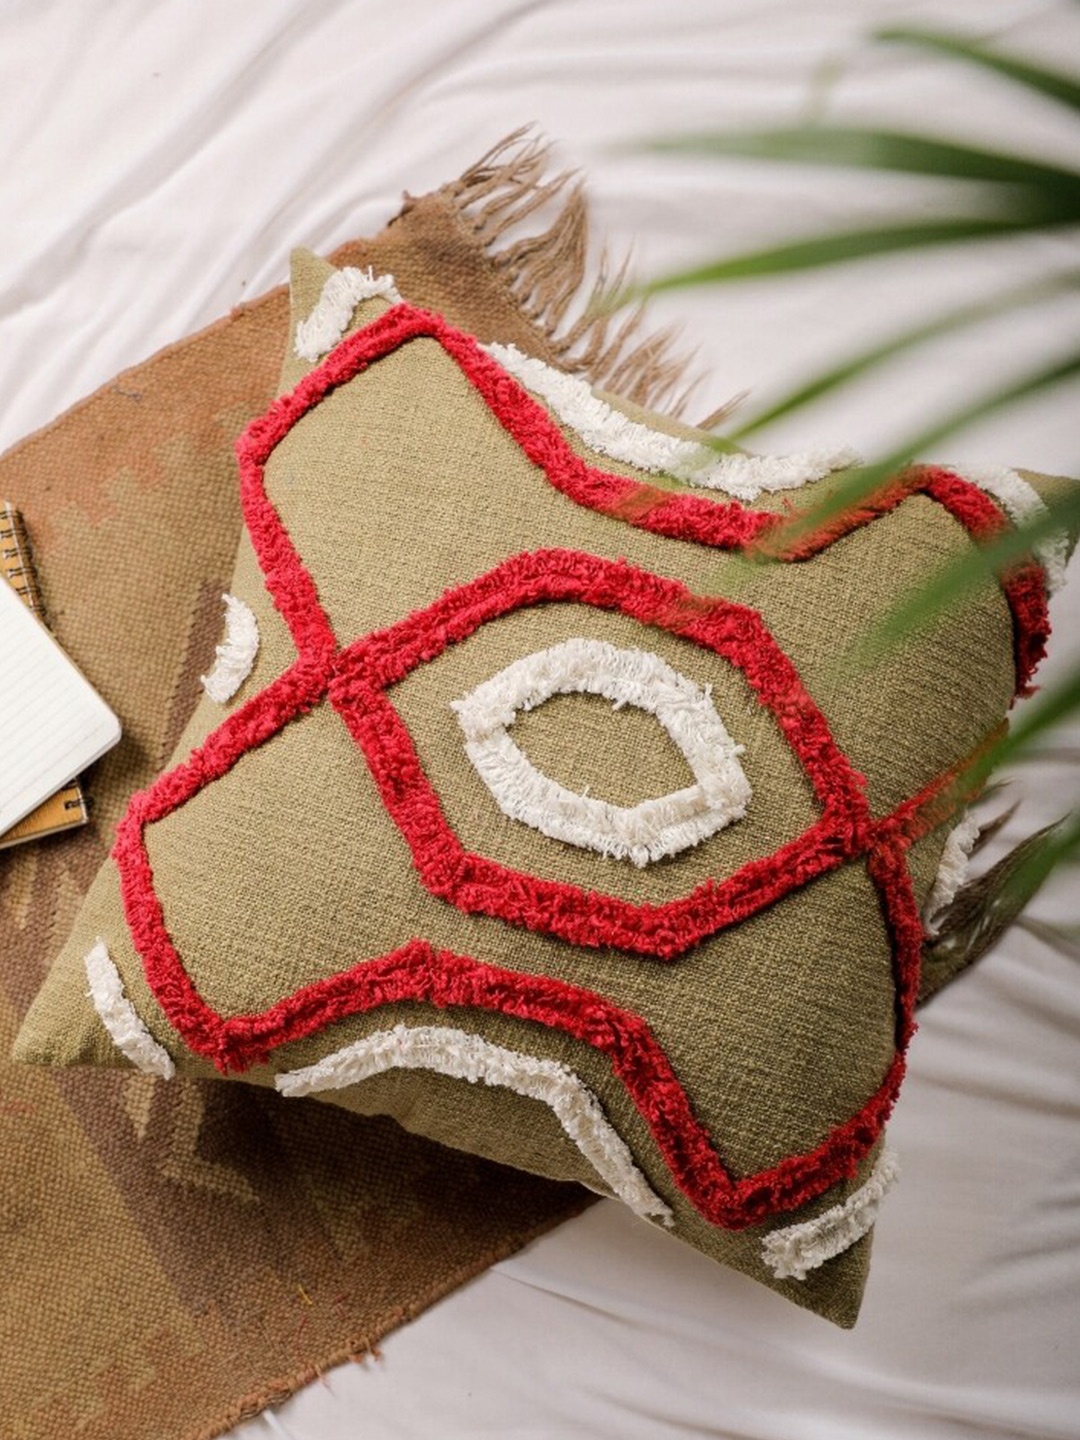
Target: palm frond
(1042, 187)
(1051, 83)
(839, 247)
(857, 365)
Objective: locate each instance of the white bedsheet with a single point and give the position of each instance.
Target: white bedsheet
(159, 162)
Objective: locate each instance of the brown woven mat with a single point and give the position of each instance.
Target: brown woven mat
(177, 1256)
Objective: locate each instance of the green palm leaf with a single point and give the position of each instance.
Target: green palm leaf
(1008, 194)
(865, 149)
(957, 579)
(1051, 83)
(865, 360)
(836, 248)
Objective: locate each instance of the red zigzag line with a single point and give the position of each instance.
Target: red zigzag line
(724, 525)
(417, 972)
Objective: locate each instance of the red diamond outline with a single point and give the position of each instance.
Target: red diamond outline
(418, 972)
(476, 884)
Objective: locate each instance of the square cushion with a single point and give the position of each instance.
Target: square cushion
(523, 807)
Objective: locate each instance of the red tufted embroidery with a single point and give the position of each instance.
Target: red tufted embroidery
(355, 678)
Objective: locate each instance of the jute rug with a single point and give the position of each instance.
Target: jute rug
(175, 1257)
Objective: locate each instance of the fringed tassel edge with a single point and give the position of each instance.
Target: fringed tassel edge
(548, 275)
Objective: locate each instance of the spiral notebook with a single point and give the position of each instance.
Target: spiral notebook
(52, 721)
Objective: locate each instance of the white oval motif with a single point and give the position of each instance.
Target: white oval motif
(641, 833)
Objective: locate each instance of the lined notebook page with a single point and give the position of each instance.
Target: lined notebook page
(52, 722)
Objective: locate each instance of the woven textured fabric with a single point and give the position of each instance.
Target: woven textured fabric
(177, 1256)
(716, 1037)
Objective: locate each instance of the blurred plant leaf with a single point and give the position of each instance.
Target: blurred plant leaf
(1006, 194)
(860, 485)
(1018, 742)
(835, 249)
(1052, 706)
(985, 908)
(858, 364)
(1050, 83)
(992, 827)
(956, 580)
(1060, 754)
(1065, 939)
(1020, 194)
(1047, 188)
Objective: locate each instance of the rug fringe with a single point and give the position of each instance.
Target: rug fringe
(548, 274)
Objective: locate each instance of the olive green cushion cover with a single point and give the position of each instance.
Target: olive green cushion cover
(708, 1017)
